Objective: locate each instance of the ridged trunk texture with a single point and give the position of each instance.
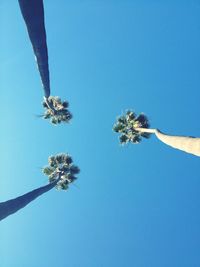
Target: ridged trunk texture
(33, 14)
(188, 144)
(13, 205)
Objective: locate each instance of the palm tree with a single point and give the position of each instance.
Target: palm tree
(132, 128)
(33, 14)
(59, 113)
(61, 172)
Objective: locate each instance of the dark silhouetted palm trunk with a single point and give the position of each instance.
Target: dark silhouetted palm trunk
(13, 205)
(33, 14)
(188, 144)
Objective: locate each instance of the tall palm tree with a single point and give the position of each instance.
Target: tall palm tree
(132, 128)
(61, 172)
(33, 14)
(59, 113)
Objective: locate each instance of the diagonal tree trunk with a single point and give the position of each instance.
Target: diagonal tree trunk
(184, 143)
(13, 205)
(33, 14)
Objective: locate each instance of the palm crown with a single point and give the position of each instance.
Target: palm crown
(56, 110)
(61, 165)
(127, 124)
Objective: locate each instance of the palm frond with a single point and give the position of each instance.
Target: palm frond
(123, 139)
(122, 119)
(65, 104)
(48, 170)
(118, 127)
(136, 139)
(74, 169)
(143, 120)
(68, 160)
(130, 115)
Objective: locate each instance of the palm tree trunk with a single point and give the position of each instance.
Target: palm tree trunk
(13, 205)
(33, 14)
(184, 143)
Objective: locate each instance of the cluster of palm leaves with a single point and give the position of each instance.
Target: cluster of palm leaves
(127, 124)
(61, 165)
(56, 110)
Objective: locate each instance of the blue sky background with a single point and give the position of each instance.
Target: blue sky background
(136, 205)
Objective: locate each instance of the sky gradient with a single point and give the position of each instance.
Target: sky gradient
(136, 205)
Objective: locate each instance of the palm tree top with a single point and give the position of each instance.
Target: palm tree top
(61, 165)
(127, 125)
(56, 110)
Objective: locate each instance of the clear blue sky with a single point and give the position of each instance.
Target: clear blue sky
(136, 205)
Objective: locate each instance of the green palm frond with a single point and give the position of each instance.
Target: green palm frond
(59, 158)
(54, 120)
(65, 104)
(47, 116)
(136, 139)
(62, 185)
(122, 119)
(123, 139)
(74, 169)
(118, 127)
(130, 115)
(52, 162)
(143, 120)
(48, 170)
(68, 159)
(44, 104)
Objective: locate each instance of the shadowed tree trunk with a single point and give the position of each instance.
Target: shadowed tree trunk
(184, 143)
(13, 205)
(33, 14)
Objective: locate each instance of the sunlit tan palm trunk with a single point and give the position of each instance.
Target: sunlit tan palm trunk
(13, 205)
(184, 143)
